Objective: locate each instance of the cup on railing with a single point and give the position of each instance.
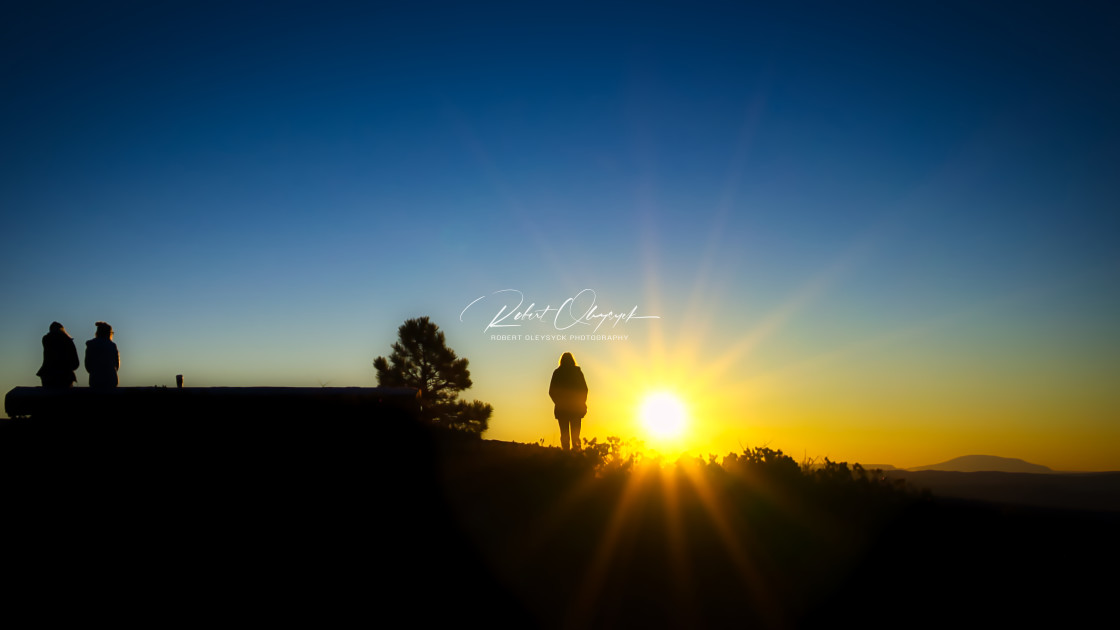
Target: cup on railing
(179, 380)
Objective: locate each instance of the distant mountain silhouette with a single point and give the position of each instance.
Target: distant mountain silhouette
(986, 463)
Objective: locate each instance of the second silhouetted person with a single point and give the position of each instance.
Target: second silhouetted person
(102, 358)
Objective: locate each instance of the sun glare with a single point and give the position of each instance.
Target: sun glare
(663, 415)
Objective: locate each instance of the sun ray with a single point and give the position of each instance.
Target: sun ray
(754, 584)
(582, 611)
(684, 591)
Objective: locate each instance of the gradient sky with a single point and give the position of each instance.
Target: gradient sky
(881, 232)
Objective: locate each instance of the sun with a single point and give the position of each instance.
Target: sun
(663, 415)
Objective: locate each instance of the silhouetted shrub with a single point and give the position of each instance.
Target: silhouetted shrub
(764, 463)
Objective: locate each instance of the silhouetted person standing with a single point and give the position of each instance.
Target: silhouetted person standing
(60, 358)
(102, 358)
(569, 391)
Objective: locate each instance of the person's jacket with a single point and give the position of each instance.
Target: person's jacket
(60, 359)
(102, 362)
(568, 390)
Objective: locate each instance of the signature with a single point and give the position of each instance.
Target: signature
(578, 310)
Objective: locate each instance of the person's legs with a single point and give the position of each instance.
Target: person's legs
(575, 424)
(563, 433)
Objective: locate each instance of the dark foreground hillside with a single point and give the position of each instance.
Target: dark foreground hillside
(327, 519)
(758, 544)
(276, 516)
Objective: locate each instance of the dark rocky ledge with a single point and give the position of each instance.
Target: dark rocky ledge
(213, 403)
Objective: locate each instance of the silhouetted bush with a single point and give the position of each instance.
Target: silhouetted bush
(765, 463)
(613, 456)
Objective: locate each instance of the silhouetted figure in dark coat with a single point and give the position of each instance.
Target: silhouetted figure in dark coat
(569, 391)
(102, 358)
(60, 358)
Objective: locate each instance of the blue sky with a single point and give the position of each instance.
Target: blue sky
(261, 194)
